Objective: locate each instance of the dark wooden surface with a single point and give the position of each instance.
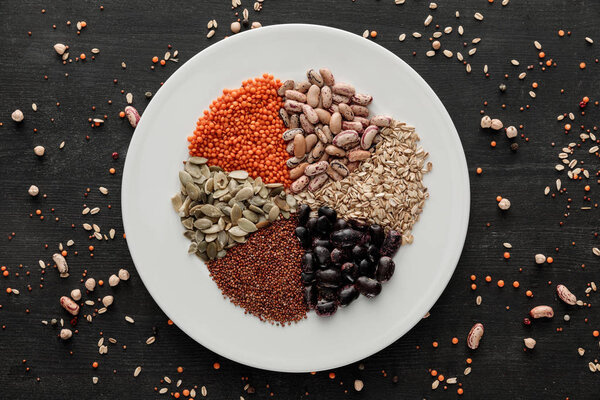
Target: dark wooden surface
(134, 31)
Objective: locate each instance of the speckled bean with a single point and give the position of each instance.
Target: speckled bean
(294, 121)
(339, 99)
(312, 96)
(363, 121)
(339, 167)
(335, 123)
(332, 174)
(346, 139)
(358, 155)
(327, 76)
(326, 97)
(352, 166)
(317, 182)
(324, 116)
(68, 304)
(324, 134)
(314, 77)
(368, 136)
(294, 161)
(292, 106)
(287, 85)
(381, 120)
(335, 151)
(311, 140)
(299, 146)
(285, 117)
(346, 111)
(333, 109)
(306, 125)
(298, 171)
(362, 99)
(345, 89)
(318, 150)
(299, 184)
(360, 111)
(324, 157)
(290, 148)
(302, 86)
(295, 95)
(316, 168)
(310, 113)
(353, 125)
(291, 133)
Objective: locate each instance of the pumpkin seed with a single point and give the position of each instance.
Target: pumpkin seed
(192, 190)
(211, 211)
(185, 178)
(250, 215)
(211, 237)
(273, 213)
(236, 231)
(211, 250)
(193, 247)
(176, 202)
(239, 175)
(244, 194)
(247, 225)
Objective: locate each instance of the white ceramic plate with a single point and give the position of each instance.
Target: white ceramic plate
(180, 283)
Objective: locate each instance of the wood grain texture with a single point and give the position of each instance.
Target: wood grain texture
(133, 32)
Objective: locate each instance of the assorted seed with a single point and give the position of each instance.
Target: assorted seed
(221, 209)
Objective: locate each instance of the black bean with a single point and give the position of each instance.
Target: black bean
(373, 251)
(347, 295)
(337, 256)
(366, 268)
(308, 262)
(346, 237)
(377, 234)
(326, 308)
(359, 252)
(350, 270)
(310, 295)
(391, 243)
(304, 236)
(311, 225)
(329, 277)
(385, 269)
(322, 254)
(323, 224)
(358, 225)
(340, 224)
(327, 293)
(308, 278)
(328, 212)
(322, 242)
(303, 214)
(368, 287)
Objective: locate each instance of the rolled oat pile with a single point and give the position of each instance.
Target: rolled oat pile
(387, 189)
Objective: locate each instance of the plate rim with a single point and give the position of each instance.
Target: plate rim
(461, 231)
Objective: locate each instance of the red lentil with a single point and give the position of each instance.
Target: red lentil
(243, 130)
(263, 275)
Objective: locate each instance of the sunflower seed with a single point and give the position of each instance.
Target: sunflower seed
(478, 16)
(589, 40)
(151, 340)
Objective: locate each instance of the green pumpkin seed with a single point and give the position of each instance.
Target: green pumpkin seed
(211, 250)
(192, 190)
(193, 247)
(252, 216)
(199, 236)
(211, 211)
(185, 178)
(211, 237)
(247, 225)
(213, 229)
(239, 175)
(263, 192)
(176, 202)
(197, 160)
(188, 223)
(256, 209)
(221, 254)
(202, 246)
(291, 200)
(205, 171)
(237, 239)
(285, 214)
(236, 213)
(194, 170)
(244, 194)
(220, 193)
(236, 231)
(189, 234)
(202, 223)
(273, 213)
(202, 256)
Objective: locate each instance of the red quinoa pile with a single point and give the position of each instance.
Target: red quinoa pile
(263, 274)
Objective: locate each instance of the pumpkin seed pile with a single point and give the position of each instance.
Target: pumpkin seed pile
(220, 209)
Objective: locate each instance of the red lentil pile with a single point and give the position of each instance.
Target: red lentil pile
(263, 274)
(243, 131)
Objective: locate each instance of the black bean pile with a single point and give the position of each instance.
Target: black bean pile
(342, 259)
